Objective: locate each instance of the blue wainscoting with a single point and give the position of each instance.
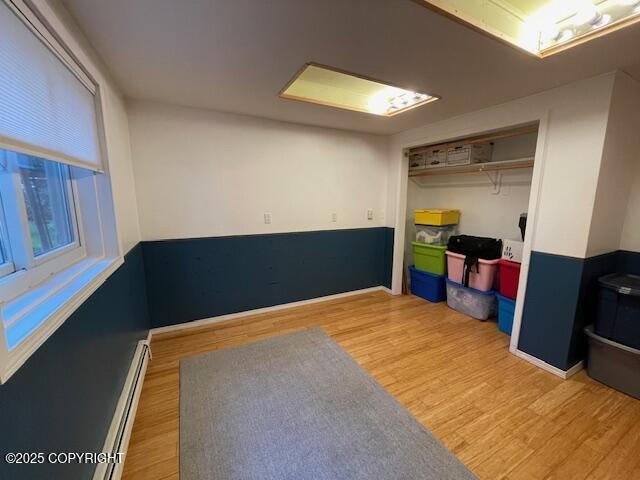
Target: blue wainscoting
(628, 262)
(553, 288)
(64, 397)
(561, 301)
(191, 279)
(592, 269)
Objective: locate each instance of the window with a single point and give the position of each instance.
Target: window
(6, 266)
(41, 210)
(46, 187)
(57, 225)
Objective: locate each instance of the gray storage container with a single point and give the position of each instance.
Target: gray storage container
(476, 304)
(618, 313)
(613, 364)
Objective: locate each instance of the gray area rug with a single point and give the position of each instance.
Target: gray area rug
(298, 407)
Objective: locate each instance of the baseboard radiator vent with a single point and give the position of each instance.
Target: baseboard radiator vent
(117, 440)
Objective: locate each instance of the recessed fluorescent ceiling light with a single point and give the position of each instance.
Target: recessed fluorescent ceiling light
(331, 87)
(541, 27)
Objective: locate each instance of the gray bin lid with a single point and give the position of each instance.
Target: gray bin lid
(623, 283)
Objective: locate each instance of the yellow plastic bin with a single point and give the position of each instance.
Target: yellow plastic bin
(437, 217)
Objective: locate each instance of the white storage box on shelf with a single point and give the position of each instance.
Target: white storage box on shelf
(433, 234)
(468, 154)
(512, 250)
(436, 157)
(416, 161)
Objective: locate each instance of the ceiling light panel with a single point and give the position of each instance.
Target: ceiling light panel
(335, 88)
(541, 27)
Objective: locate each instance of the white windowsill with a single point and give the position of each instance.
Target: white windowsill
(30, 319)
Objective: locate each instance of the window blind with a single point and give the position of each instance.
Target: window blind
(45, 110)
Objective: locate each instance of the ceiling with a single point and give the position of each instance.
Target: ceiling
(236, 56)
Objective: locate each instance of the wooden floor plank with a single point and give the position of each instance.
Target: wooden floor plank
(503, 417)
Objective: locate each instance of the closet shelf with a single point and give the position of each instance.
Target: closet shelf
(475, 168)
(486, 138)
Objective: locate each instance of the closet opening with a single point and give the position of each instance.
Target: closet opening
(467, 209)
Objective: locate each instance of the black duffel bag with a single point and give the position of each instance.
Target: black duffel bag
(474, 248)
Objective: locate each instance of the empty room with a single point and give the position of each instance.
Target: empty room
(319, 239)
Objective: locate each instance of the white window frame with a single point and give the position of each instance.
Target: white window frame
(29, 269)
(37, 294)
(7, 266)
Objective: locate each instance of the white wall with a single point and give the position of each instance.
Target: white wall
(201, 173)
(121, 170)
(630, 239)
(115, 118)
(482, 212)
(614, 208)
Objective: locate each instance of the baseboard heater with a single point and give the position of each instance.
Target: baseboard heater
(117, 440)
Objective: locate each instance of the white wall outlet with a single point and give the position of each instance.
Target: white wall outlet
(334, 217)
(267, 219)
(370, 214)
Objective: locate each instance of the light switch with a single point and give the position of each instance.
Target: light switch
(334, 217)
(370, 214)
(267, 218)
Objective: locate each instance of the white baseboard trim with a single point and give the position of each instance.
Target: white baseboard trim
(575, 369)
(389, 291)
(564, 374)
(117, 440)
(275, 308)
(149, 336)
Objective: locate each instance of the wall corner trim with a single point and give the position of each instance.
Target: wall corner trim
(564, 374)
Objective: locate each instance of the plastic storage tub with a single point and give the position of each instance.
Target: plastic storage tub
(427, 285)
(512, 250)
(435, 235)
(437, 217)
(613, 364)
(430, 258)
(476, 304)
(506, 310)
(481, 278)
(618, 312)
(509, 278)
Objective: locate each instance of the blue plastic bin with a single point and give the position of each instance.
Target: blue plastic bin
(428, 285)
(506, 309)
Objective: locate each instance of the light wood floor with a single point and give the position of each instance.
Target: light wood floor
(504, 418)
